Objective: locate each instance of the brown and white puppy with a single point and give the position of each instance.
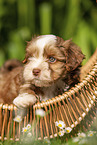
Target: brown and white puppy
(51, 66)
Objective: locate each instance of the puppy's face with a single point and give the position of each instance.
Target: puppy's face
(47, 60)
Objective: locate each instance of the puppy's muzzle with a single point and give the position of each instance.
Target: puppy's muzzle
(36, 72)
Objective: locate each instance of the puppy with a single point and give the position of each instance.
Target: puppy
(51, 66)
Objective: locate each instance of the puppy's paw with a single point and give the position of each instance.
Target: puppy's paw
(24, 100)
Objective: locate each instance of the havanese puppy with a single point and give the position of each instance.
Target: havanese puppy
(51, 66)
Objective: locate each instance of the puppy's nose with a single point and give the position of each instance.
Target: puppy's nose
(36, 71)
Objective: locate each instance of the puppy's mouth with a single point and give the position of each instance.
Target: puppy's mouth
(41, 83)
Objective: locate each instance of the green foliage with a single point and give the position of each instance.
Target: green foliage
(45, 18)
(15, 47)
(22, 19)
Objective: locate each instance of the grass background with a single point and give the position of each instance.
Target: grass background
(22, 19)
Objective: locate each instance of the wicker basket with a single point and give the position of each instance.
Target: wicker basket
(77, 108)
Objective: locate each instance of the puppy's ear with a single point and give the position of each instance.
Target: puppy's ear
(73, 54)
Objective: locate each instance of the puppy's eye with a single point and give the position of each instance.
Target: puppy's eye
(52, 59)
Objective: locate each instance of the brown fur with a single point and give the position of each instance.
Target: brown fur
(63, 72)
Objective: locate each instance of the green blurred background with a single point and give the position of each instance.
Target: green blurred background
(22, 19)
